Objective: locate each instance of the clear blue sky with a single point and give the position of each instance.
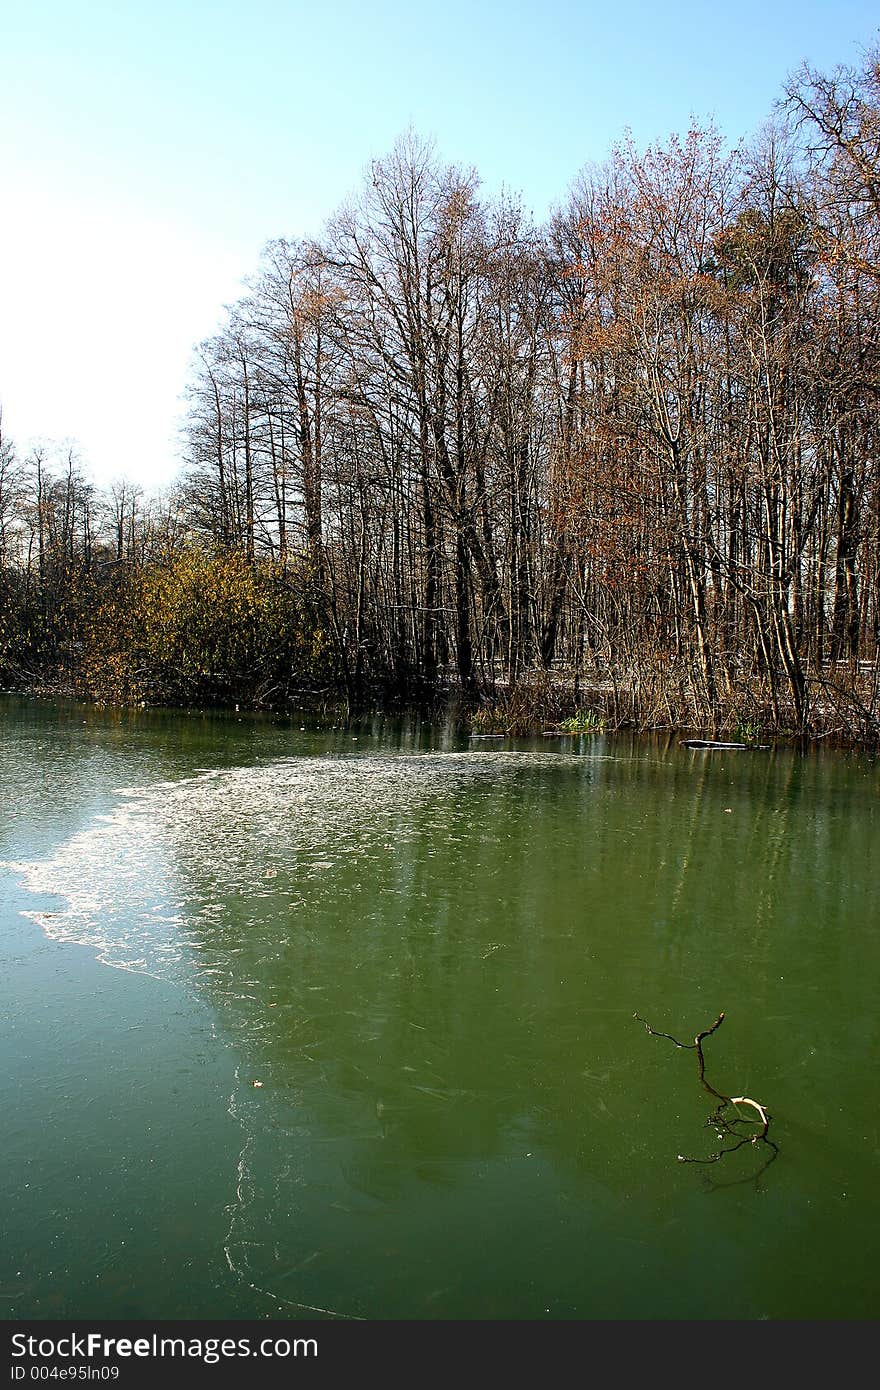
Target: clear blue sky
(148, 149)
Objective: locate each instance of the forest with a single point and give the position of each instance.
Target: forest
(621, 468)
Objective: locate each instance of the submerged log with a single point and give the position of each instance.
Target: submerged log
(711, 743)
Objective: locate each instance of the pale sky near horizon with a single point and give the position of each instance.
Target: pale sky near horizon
(148, 150)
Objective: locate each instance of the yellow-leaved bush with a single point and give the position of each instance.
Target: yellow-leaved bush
(207, 627)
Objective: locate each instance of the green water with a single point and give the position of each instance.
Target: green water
(428, 952)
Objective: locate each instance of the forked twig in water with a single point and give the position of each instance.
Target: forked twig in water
(724, 1125)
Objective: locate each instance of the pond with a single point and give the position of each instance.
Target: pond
(312, 1022)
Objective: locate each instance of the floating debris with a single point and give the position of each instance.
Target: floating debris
(711, 743)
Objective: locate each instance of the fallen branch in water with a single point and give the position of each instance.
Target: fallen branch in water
(724, 1125)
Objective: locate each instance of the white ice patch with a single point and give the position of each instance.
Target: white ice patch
(141, 885)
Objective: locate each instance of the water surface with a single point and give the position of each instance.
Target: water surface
(339, 1022)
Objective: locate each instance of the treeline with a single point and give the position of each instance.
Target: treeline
(112, 597)
(628, 459)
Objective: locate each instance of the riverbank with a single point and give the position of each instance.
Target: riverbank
(555, 703)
